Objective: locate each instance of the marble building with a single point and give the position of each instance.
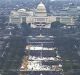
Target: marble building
(38, 17)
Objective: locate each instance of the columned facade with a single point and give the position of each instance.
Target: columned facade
(38, 18)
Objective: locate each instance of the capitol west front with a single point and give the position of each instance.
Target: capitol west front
(37, 18)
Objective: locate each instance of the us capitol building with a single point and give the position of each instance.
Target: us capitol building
(38, 17)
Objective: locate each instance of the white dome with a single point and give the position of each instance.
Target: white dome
(41, 7)
(41, 10)
(22, 10)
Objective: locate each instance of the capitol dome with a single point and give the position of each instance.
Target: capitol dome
(41, 5)
(41, 8)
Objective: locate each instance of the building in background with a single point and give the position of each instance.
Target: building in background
(38, 17)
